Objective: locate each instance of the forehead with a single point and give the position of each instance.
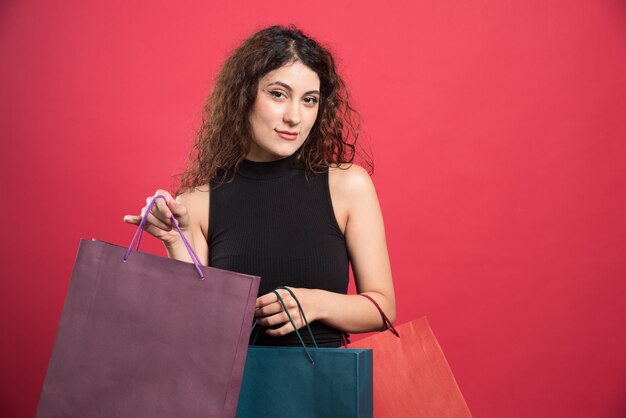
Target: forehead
(297, 75)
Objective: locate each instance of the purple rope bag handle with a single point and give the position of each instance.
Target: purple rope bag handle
(139, 233)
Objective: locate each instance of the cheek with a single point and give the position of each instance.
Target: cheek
(261, 118)
(312, 118)
(268, 110)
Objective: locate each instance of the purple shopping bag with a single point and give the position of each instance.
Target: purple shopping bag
(146, 336)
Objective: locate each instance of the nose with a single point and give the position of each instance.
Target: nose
(292, 113)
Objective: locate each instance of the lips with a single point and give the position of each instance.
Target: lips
(289, 136)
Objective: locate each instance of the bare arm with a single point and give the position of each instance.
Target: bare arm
(197, 203)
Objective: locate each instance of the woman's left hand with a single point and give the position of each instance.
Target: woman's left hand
(270, 313)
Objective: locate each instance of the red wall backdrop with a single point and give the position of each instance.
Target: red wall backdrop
(499, 135)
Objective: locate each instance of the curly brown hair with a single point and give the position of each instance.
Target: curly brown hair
(223, 140)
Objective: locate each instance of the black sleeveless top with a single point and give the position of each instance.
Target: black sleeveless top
(274, 222)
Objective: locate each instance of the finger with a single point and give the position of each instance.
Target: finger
(266, 299)
(163, 211)
(279, 332)
(154, 221)
(159, 209)
(177, 208)
(271, 298)
(164, 193)
(160, 203)
(267, 310)
(159, 214)
(276, 319)
(132, 219)
(288, 301)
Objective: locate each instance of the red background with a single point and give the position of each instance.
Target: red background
(498, 130)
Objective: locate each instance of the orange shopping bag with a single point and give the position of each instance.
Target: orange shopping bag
(411, 375)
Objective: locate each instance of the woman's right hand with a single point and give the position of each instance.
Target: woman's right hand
(159, 223)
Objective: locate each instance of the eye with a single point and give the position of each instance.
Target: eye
(311, 100)
(277, 94)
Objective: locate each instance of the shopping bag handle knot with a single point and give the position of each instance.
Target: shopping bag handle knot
(139, 233)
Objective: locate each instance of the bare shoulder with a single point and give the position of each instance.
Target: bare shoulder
(196, 200)
(350, 186)
(196, 196)
(350, 180)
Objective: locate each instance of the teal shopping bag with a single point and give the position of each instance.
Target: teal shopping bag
(306, 381)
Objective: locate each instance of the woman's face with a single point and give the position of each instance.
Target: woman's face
(284, 111)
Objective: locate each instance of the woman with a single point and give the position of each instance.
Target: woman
(271, 191)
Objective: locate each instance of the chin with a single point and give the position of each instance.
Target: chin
(286, 151)
(276, 151)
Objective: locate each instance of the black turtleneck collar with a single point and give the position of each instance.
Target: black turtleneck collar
(268, 169)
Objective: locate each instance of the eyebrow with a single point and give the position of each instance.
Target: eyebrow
(288, 87)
